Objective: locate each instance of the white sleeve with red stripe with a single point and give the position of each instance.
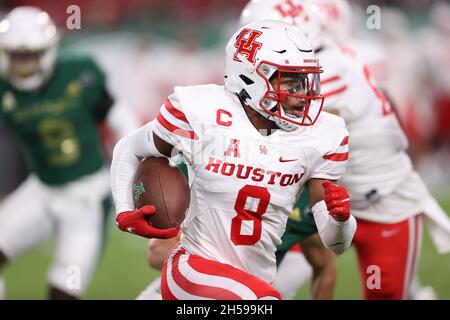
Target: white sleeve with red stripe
(335, 89)
(332, 86)
(334, 81)
(332, 163)
(343, 85)
(173, 126)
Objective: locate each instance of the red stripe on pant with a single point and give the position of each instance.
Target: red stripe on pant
(166, 294)
(259, 287)
(416, 252)
(387, 255)
(212, 268)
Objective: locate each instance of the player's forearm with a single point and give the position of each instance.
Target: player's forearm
(323, 262)
(127, 155)
(158, 251)
(323, 283)
(335, 235)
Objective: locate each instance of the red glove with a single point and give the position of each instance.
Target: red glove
(337, 200)
(136, 222)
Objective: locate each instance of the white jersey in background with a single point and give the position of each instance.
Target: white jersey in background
(372, 54)
(378, 164)
(241, 175)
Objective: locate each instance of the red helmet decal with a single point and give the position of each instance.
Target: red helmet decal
(331, 11)
(288, 9)
(247, 45)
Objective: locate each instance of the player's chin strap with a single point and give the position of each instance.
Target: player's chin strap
(335, 235)
(283, 124)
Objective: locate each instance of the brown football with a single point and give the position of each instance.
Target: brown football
(164, 186)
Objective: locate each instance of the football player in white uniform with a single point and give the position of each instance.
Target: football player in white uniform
(388, 197)
(252, 145)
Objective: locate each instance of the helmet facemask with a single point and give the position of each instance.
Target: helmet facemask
(25, 69)
(28, 48)
(293, 95)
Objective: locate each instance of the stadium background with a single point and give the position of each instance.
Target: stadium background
(148, 46)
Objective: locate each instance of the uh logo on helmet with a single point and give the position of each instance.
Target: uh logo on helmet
(247, 45)
(300, 13)
(262, 53)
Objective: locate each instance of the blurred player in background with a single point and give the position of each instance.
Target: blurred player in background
(267, 122)
(389, 59)
(437, 42)
(436, 39)
(411, 108)
(387, 195)
(55, 104)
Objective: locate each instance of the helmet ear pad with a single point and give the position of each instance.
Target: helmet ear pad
(243, 95)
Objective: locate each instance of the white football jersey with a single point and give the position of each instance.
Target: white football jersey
(245, 184)
(370, 52)
(378, 162)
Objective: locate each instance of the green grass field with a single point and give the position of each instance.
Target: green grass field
(123, 271)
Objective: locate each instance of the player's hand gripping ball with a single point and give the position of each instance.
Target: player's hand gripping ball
(161, 194)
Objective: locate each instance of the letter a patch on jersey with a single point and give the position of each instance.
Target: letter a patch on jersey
(233, 149)
(247, 45)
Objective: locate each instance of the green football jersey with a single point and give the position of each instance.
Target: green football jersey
(57, 124)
